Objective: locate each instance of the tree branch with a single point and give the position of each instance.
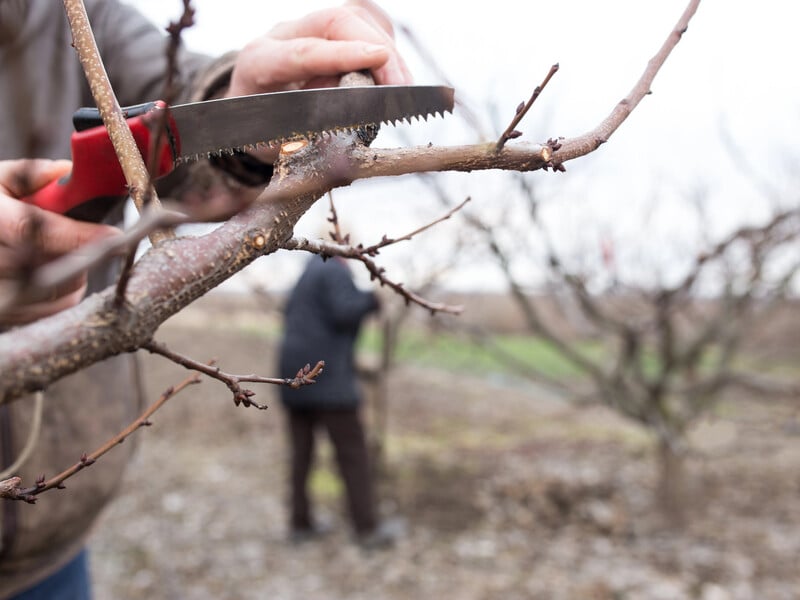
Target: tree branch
(176, 272)
(588, 142)
(345, 251)
(510, 132)
(10, 488)
(305, 376)
(136, 174)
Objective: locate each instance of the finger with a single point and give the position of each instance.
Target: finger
(38, 310)
(13, 262)
(302, 59)
(22, 177)
(332, 23)
(49, 233)
(375, 13)
(350, 24)
(58, 293)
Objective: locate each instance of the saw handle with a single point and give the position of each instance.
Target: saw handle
(356, 78)
(96, 172)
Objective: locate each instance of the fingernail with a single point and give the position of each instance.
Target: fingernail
(374, 49)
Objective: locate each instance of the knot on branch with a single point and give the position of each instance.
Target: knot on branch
(257, 239)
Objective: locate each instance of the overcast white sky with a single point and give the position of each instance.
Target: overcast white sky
(735, 71)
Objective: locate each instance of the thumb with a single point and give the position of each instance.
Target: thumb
(22, 177)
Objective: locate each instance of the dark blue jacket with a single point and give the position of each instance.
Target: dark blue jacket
(323, 316)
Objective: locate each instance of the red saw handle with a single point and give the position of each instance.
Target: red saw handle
(96, 172)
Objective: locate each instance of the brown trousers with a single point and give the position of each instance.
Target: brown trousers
(349, 442)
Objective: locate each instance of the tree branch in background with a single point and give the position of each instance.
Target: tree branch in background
(654, 366)
(667, 352)
(464, 110)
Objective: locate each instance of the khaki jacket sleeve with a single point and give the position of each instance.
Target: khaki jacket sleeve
(134, 53)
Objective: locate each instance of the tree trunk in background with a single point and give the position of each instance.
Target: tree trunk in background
(672, 490)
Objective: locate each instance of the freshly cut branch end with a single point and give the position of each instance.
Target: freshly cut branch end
(293, 146)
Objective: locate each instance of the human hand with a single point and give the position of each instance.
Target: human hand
(315, 50)
(30, 236)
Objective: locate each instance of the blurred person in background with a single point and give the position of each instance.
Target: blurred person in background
(322, 318)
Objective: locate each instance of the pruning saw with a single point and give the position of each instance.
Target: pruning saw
(202, 129)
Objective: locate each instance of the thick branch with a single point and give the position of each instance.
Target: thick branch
(177, 272)
(166, 279)
(376, 162)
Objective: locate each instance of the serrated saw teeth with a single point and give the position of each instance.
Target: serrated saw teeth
(278, 142)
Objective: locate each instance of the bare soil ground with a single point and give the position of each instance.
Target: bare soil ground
(506, 492)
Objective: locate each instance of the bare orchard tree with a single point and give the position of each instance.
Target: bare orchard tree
(178, 270)
(658, 351)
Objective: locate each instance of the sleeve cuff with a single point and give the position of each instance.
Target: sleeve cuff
(241, 166)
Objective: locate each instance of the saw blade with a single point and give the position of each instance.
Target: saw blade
(229, 124)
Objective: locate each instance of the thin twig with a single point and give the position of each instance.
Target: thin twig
(336, 234)
(10, 489)
(376, 273)
(365, 254)
(124, 277)
(32, 438)
(305, 376)
(159, 128)
(387, 241)
(511, 132)
(588, 142)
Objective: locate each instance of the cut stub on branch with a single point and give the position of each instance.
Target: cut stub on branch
(10, 489)
(293, 146)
